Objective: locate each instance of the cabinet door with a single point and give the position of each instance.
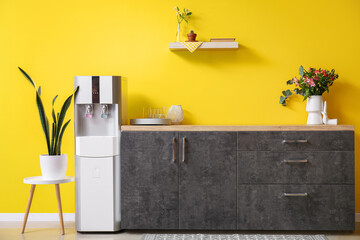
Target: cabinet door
(149, 180)
(207, 196)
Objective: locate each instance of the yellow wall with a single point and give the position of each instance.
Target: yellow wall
(56, 40)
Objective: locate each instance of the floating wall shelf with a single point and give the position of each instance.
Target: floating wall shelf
(178, 46)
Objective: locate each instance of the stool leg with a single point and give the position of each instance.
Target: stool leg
(57, 188)
(32, 190)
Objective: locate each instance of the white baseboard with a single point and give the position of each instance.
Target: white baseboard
(36, 217)
(68, 217)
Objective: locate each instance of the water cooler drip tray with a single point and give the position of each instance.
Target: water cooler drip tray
(97, 146)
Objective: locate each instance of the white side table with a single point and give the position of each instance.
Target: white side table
(39, 180)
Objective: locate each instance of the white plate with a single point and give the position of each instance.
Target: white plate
(150, 121)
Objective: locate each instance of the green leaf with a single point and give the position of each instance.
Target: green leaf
(43, 120)
(288, 93)
(48, 131)
(301, 71)
(282, 100)
(289, 82)
(61, 136)
(76, 91)
(61, 116)
(307, 93)
(39, 90)
(53, 101)
(64, 109)
(28, 77)
(53, 115)
(52, 139)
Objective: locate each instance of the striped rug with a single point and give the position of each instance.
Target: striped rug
(231, 237)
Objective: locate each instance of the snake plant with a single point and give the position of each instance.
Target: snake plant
(53, 138)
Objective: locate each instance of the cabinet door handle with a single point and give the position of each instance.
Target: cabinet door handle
(296, 194)
(295, 141)
(173, 142)
(296, 161)
(183, 154)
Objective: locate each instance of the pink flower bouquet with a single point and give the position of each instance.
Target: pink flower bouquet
(311, 82)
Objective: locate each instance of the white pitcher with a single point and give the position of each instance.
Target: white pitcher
(315, 107)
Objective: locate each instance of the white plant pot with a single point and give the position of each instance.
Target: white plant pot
(314, 106)
(53, 167)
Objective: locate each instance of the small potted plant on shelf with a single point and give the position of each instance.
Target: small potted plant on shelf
(311, 85)
(54, 164)
(191, 36)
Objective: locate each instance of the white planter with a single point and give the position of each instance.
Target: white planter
(314, 106)
(53, 167)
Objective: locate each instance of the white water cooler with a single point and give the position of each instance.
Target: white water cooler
(100, 109)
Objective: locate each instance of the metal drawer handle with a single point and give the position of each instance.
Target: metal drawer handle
(184, 141)
(296, 194)
(294, 141)
(296, 161)
(173, 141)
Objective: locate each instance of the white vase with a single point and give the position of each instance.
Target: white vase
(314, 106)
(178, 33)
(53, 167)
(176, 114)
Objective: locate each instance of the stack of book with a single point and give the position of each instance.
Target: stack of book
(222, 39)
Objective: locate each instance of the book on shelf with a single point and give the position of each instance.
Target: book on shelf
(222, 39)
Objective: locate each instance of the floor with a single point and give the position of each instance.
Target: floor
(36, 231)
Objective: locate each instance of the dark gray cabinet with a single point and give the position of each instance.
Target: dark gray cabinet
(164, 189)
(149, 181)
(258, 180)
(296, 180)
(207, 198)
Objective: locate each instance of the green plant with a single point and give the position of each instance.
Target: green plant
(192, 31)
(311, 82)
(53, 139)
(181, 16)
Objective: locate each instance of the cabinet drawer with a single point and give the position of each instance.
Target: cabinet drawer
(296, 141)
(326, 207)
(333, 167)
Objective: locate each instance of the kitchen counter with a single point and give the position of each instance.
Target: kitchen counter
(196, 177)
(238, 128)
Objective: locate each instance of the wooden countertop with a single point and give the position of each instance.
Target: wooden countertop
(224, 128)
